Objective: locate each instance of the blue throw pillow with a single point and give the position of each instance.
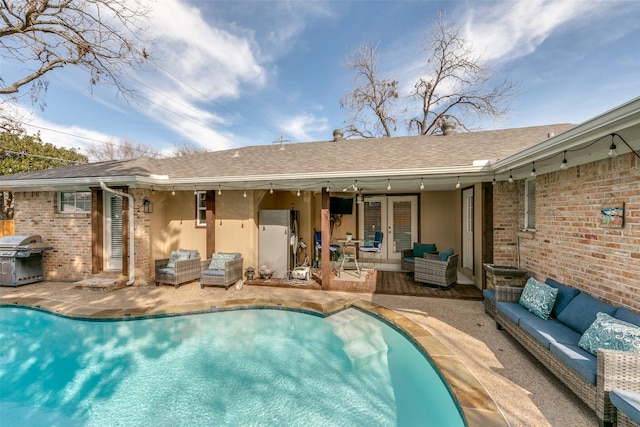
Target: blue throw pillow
(444, 255)
(565, 295)
(580, 313)
(538, 298)
(176, 256)
(610, 333)
(419, 249)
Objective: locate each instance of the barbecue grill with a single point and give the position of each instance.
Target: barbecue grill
(21, 260)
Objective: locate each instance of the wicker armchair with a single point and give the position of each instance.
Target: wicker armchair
(227, 276)
(431, 270)
(184, 271)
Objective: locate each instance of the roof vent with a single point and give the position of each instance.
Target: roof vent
(338, 135)
(448, 128)
(551, 135)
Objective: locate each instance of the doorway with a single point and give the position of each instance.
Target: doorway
(112, 232)
(395, 216)
(467, 229)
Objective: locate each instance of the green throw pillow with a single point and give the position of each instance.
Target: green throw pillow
(612, 334)
(219, 260)
(538, 298)
(176, 256)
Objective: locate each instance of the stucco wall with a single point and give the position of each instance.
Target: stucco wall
(569, 244)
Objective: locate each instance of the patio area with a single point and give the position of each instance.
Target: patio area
(524, 391)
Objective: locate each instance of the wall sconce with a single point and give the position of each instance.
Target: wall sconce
(148, 205)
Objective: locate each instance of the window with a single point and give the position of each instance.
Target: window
(74, 201)
(201, 209)
(530, 205)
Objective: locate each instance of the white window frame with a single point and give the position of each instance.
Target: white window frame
(66, 208)
(530, 204)
(201, 220)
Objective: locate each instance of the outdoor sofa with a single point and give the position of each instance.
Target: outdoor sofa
(223, 269)
(439, 270)
(407, 262)
(576, 320)
(182, 266)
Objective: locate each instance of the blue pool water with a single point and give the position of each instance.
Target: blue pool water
(245, 367)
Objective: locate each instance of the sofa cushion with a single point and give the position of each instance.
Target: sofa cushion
(548, 331)
(419, 249)
(628, 316)
(489, 294)
(580, 313)
(565, 295)
(166, 271)
(214, 273)
(538, 298)
(513, 311)
(627, 402)
(444, 255)
(584, 363)
(192, 253)
(176, 256)
(219, 260)
(610, 333)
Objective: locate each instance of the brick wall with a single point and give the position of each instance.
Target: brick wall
(569, 244)
(70, 236)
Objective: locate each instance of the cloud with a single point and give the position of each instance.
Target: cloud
(303, 127)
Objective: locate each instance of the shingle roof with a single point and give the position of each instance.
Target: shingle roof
(325, 157)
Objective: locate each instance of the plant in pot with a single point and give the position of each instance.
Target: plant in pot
(349, 236)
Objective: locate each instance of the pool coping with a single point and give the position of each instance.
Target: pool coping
(477, 406)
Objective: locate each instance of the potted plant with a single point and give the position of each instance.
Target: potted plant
(349, 236)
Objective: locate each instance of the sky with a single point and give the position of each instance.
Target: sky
(229, 74)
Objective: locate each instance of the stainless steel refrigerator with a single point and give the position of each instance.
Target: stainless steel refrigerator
(277, 240)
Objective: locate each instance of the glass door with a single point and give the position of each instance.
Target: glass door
(396, 217)
(112, 232)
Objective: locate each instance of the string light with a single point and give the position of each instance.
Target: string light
(533, 171)
(422, 183)
(219, 191)
(612, 148)
(271, 189)
(563, 165)
(388, 185)
(458, 183)
(173, 191)
(195, 190)
(510, 177)
(244, 194)
(494, 179)
(328, 188)
(298, 193)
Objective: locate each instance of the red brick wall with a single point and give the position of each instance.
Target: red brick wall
(569, 244)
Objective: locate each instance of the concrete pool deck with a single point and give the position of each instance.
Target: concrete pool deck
(495, 381)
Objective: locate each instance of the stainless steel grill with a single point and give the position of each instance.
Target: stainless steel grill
(21, 260)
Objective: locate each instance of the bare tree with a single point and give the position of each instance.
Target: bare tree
(186, 149)
(101, 36)
(457, 86)
(371, 103)
(110, 150)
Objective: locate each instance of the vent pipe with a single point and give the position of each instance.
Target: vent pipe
(338, 135)
(448, 128)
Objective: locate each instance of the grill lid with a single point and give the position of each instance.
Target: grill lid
(33, 242)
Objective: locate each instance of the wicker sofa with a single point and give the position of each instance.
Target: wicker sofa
(433, 270)
(554, 342)
(184, 268)
(223, 269)
(627, 405)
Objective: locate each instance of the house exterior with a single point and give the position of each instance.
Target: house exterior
(472, 192)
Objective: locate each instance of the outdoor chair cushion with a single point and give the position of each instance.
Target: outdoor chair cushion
(565, 295)
(581, 361)
(219, 260)
(513, 311)
(538, 298)
(167, 270)
(419, 249)
(610, 333)
(580, 313)
(213, 273)
(192, 253)
(489, 294)
(176, 256)
(627, 402)
(548, 331)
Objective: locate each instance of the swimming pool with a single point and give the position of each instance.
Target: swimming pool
(244, 367)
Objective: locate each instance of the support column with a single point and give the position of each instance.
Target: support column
(325, 228)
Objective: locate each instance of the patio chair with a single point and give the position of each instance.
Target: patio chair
(407, 262)
(181, 267)
(317, 245)
(223, 269)
(439, 270)
(375, 247)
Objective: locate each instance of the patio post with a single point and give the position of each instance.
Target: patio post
(325, 228)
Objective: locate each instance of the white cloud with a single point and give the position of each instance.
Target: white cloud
(303, 126)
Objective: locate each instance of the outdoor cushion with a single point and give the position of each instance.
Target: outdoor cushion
(489, 294)
(628, 316)
(512, 310)
(627, 402)
(565, 295)
(219, 260)
(444, 255)
(176, 256)
(584, 363)
(192, 253)
(409, 259)
(419, 249)
(548, 331)
(215, 273)
(166, 271)
(580, 313)
(610, 333)
(538, 298)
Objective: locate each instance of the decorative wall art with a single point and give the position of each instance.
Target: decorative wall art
(612, 215)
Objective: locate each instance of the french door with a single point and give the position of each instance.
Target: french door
(112, 232)
(467, 228)
(395, 216)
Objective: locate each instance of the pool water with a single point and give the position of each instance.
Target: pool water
(245, 367)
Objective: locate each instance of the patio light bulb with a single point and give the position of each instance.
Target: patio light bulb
(458, 183)
(388, 185)
(195, 191)
(173, 191)
(298, 193)
(421, 183)
(328, 188)
(494, 180)
(271, 189)
(510, 178)
(533, 171)
(612, 149)
(244, 194)
(563, 165)
(219, 191)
